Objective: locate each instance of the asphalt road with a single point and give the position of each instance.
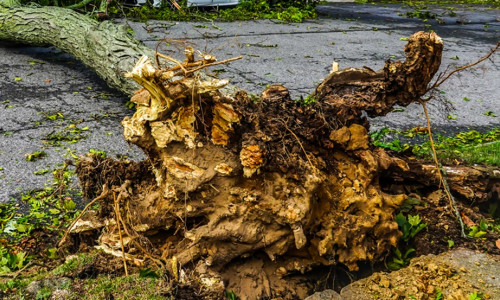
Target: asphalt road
(38, 83)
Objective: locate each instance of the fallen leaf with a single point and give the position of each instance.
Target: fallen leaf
(467, 220)
(47, 80)
(497, 243)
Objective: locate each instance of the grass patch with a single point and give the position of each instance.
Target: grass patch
(470, 147)
(288, 11)
(417, 3)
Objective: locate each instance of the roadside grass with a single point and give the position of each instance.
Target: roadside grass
(286, 11)
(492, 3)
(470, 147)
(484, 153)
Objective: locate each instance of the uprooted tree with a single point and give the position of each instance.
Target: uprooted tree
(250, 191)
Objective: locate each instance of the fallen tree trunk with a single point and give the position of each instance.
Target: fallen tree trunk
(107, 49)
(473, 184)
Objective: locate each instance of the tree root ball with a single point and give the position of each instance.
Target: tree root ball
(267, 183)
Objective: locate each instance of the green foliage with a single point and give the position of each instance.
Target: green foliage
(471, 146)
(11, 261)
(129, 104)
(44, 210)
(307, 100)
(148, 273)
(409, 226)
(382, 138)
(479, 231)
(426, 4)
(72, 264)
(400, 260)
(475, 296)
(43, 293)
(35, 156)
(288, 11)
(71, 134)
(7, 211)
(439, 294)
(231, 295)
(100, 153)
(408, 204)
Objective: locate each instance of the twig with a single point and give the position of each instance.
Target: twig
(103, 195)
(117, 217)
(440, 81)
(215, 63)
(172, 60)
(14, 275)
(453, 204)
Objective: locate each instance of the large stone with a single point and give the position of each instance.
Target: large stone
(456, 274)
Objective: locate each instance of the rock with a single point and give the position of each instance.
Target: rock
(60, 295)
(33, 287)
(325, 295)
(457, 274)
(58, 286)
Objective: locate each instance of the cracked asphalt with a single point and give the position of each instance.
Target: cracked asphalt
(38, 83)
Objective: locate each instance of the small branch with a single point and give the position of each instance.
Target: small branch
(215, 63)
(172, 60)
(14, 275)
(439, 169)
(440, 81)
(102, 196)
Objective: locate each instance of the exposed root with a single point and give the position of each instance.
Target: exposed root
(453, 204)
(103, 195)
(229, 184)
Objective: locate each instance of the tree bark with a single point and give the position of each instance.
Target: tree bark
(104, 47)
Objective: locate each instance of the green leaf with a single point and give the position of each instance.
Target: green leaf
(452, 117)
(408, 252)
(54, 211)
(473, 230)
(148, 273)
(451, 243)
(400, 219)
(490, 114)
(18, 79)
(52, 253)
(414, 220)
(479, 234)
(69, 204)
(483, 225)
(393, 266)
(22, 227)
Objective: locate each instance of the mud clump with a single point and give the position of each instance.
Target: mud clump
(252, 193)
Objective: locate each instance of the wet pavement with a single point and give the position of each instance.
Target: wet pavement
(38, 83)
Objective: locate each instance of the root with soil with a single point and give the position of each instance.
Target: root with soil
(249, 193)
